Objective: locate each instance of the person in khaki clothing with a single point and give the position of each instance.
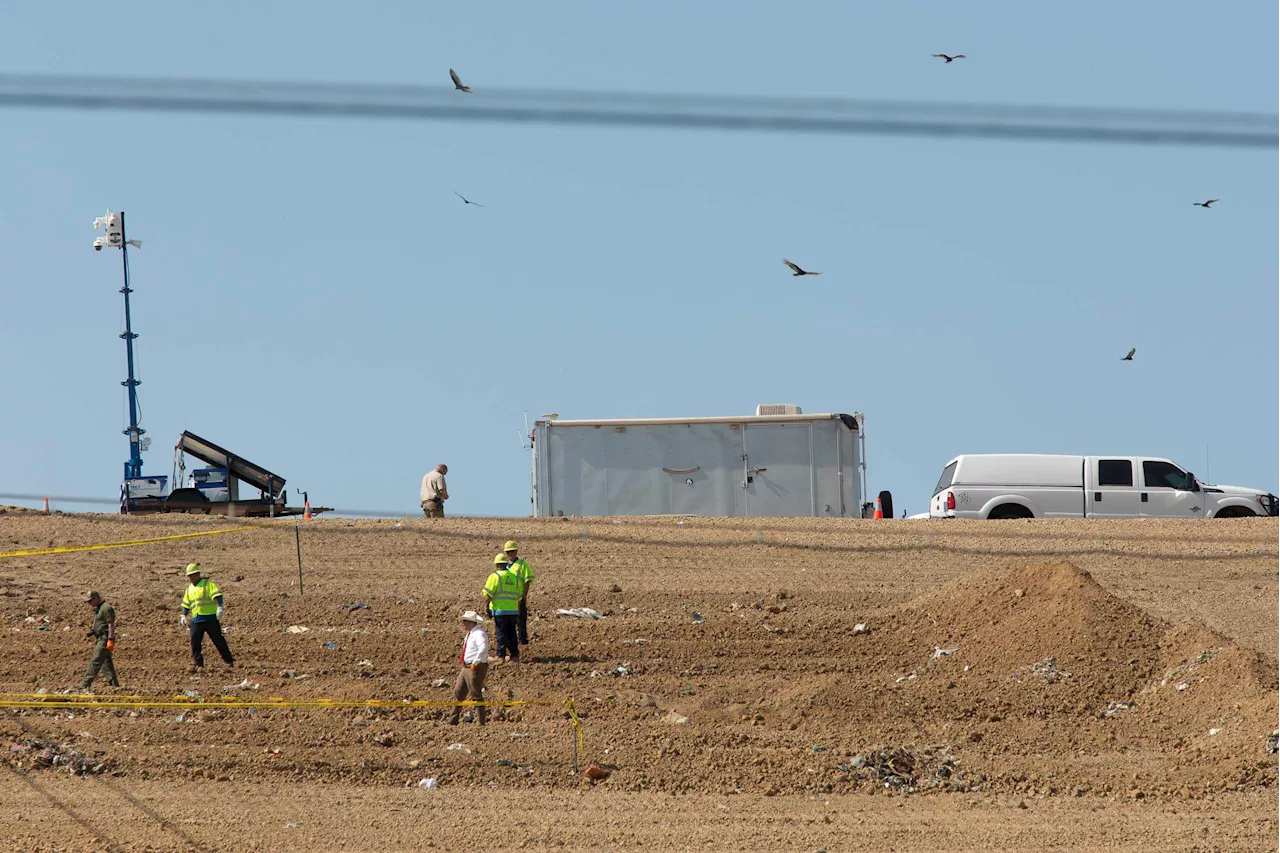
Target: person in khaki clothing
(104, 633)
(434, 492)
(475, 666)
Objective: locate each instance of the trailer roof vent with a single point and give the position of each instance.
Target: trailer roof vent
(778, 409)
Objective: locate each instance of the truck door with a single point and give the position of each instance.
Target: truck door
(778, 469)
(1111, 491)
(1169, 492)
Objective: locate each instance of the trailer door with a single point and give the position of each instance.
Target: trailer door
(778, 469)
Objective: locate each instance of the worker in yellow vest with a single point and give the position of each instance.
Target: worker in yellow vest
(502, 593)
(525, 571)
(203, 604)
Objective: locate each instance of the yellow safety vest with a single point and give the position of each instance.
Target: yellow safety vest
(504, 590)
(199, 598)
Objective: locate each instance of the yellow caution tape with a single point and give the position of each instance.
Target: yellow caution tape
(33, 552)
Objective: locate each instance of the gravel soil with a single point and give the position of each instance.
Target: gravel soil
(1019, 685)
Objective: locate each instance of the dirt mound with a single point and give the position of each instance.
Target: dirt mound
(1042, 663)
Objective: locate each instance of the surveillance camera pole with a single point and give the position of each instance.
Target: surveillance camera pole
(132, 468)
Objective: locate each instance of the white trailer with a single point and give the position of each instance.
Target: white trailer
(783, 464)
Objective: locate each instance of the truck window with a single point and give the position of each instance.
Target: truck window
(1115, 472)
(1165, 475)
(944, 481)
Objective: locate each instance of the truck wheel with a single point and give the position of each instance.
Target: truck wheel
(1009, 511)
(1235, 512)
(886, 504)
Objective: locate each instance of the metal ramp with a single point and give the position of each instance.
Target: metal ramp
(271, 485)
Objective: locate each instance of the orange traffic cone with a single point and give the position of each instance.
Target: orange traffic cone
(879, 513)
(306, 509)
(46, 504)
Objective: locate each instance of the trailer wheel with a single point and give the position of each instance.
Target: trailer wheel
(886, 504)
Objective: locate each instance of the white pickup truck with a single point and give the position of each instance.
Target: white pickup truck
(1029, 485)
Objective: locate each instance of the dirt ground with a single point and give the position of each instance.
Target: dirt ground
(1021, 685)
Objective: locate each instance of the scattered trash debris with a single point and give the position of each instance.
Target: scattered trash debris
(352, 608)
(595, 673)
(937, 653)
(440, 682)
(1183, 686)
(861, 628)
(1213, 732)
(595, 773)
(330, 645)
(1273, 743)
(1116, 708)
(902, 678)
(639, 641)
(364, 663)
(621, 669)
(191, 694)
(456, 747)
(297, 629)
(243, 685)
(1047, 668)
(676, 719)
(580, 613)
(292, 825)
(429, 783)
(818, 749)
(62, 757)
(697, 617)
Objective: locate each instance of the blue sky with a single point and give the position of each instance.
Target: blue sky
(313, 296)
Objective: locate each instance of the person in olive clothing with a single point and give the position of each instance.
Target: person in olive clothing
(104, 633)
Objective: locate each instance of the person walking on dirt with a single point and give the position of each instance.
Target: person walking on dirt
(434, 492)
(203, 603)
(525, 572)
(475, 666)
(502, 593)
(104, 634)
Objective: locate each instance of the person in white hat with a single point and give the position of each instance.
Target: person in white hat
(475, 666)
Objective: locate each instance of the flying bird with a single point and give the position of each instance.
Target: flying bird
(457, 84)
(1205, 204)
(1129, 357)
(467, 200)
(795, 270)
(949, 59)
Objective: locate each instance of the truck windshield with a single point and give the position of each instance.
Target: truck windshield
(1165, 475)
(945, 480)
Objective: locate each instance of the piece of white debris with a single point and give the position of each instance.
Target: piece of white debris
(1183, 686)
(902, 678)
(456, 747)
(429, 783)
(937, 653)
(580, 612)
(861, 628)
(297, 629)
(1213, 732)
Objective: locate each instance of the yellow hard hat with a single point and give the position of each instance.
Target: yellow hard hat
(193, 568)
(511, 546)
(500, 560)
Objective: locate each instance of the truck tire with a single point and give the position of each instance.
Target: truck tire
(886, 504)
(1235, 512)
(1009, 511)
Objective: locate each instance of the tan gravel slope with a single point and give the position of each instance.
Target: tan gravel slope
(1072, 660)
